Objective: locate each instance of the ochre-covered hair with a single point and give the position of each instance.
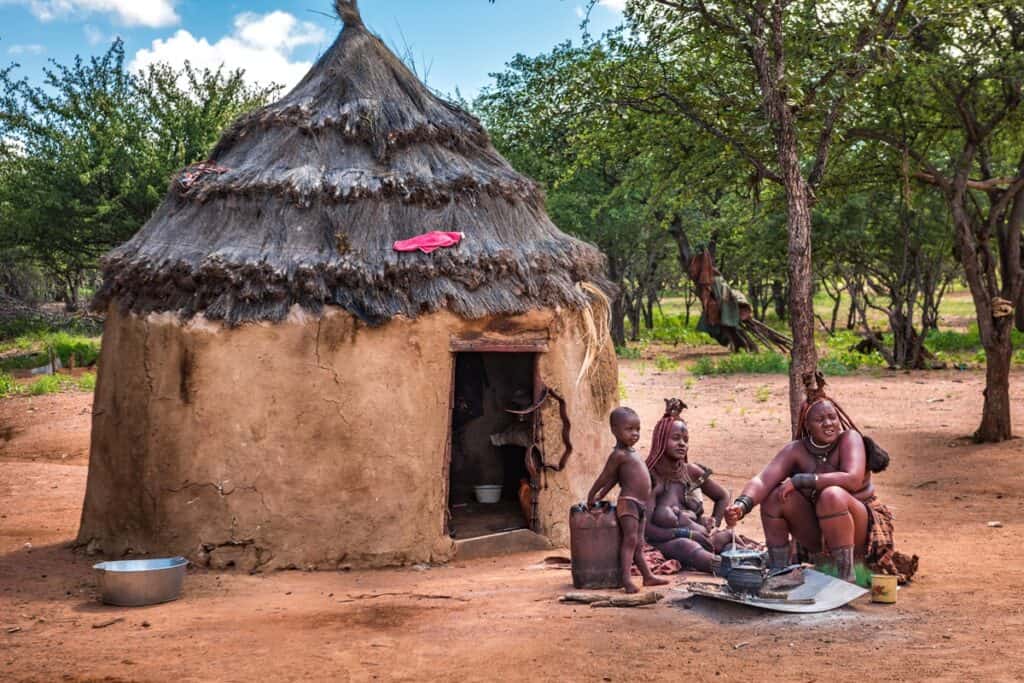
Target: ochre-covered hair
(659, 439)
(814, 393)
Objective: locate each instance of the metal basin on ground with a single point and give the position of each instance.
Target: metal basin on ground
(131, 583)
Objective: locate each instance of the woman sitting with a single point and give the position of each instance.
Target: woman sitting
(678, 526)
(818, 492)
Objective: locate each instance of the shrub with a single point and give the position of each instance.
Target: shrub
(672, 329)
(766, 363)
(666, 364)
(949, 340)
(87, 382)
(703, 366)
(47, 384)
(62, 344)
(833, 367)
(628, 352)
(762, 394)
(27, 362)
(8, 386)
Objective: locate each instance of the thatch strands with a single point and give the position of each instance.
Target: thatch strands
(302, 200)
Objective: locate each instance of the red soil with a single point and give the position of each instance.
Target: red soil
(499, 619)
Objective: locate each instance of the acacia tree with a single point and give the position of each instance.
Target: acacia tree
(86, 157)
(961, 78)
(771, 80)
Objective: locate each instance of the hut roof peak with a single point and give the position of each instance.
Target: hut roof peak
(302, 200)
(348, 10)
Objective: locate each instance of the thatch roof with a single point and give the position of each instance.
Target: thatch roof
(319, 185)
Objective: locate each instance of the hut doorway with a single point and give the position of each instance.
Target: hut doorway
(489, 443)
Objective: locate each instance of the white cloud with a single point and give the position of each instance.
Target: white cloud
(151, 13)
(580, 12)
(31, 49)
(93, 35)
(260, 44)
(614, 5)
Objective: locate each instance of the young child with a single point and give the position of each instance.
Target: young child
(627, 469)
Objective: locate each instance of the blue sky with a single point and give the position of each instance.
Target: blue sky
(457, 43)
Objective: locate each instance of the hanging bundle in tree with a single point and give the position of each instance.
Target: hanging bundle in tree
(727, 315)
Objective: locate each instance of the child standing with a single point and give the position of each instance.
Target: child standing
(627, 469)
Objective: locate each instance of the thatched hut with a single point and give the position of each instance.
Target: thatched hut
(279, 387)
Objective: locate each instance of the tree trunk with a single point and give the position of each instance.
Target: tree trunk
(851, 315)
(779, 300)
(618, 308)
(633, 313)
(618, 326)
(688, 300)
(995, 415)
(804, 357)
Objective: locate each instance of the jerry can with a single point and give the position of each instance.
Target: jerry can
(594, 546)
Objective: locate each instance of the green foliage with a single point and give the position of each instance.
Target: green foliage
(27, 362)
(8, 385)
(672, 329)
(87, 381)
(86, 157)
(666, 364)
(952, 341)
(767, 362)
(762, 394)
(47, 384)
(62, 344)
(628, 352)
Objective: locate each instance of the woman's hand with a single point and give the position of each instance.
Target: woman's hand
(787, 489)
(703, 539)
(709, 523)
(733, 514)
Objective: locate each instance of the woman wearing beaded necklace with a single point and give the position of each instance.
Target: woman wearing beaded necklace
(818, 492)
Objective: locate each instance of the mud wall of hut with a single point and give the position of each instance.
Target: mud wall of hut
(312, 443)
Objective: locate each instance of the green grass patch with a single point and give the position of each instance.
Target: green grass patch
(47, 384)
(63, 344)
(85, 349)
(8, 385)
(765, 363)
(628, 352)
(672, 329)
(951, 341)
(762, 394)
(666, 364)
(34, 327)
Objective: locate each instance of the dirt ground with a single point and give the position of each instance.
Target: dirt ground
(498, 619)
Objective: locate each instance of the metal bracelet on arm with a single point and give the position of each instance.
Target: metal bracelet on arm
(745, 502)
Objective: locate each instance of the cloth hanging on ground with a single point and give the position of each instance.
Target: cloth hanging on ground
(722, 306)
(430, 241)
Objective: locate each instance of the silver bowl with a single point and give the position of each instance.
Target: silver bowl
(131, 583)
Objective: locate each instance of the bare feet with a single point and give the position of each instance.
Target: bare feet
(629, 586)
(655, 581)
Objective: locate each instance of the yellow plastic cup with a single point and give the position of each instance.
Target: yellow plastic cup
(883, 588)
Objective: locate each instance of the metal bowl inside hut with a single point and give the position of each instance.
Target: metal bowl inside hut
(132, 583)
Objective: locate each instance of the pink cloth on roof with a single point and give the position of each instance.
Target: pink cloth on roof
(430, 241)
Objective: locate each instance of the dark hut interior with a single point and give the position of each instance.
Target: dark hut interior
(488, 445)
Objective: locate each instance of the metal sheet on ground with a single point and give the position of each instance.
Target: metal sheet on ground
(826, 592)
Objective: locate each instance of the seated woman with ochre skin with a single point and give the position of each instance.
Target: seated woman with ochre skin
(678, 526)
(818, 491)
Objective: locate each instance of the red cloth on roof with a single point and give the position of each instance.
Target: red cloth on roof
(430, 241)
